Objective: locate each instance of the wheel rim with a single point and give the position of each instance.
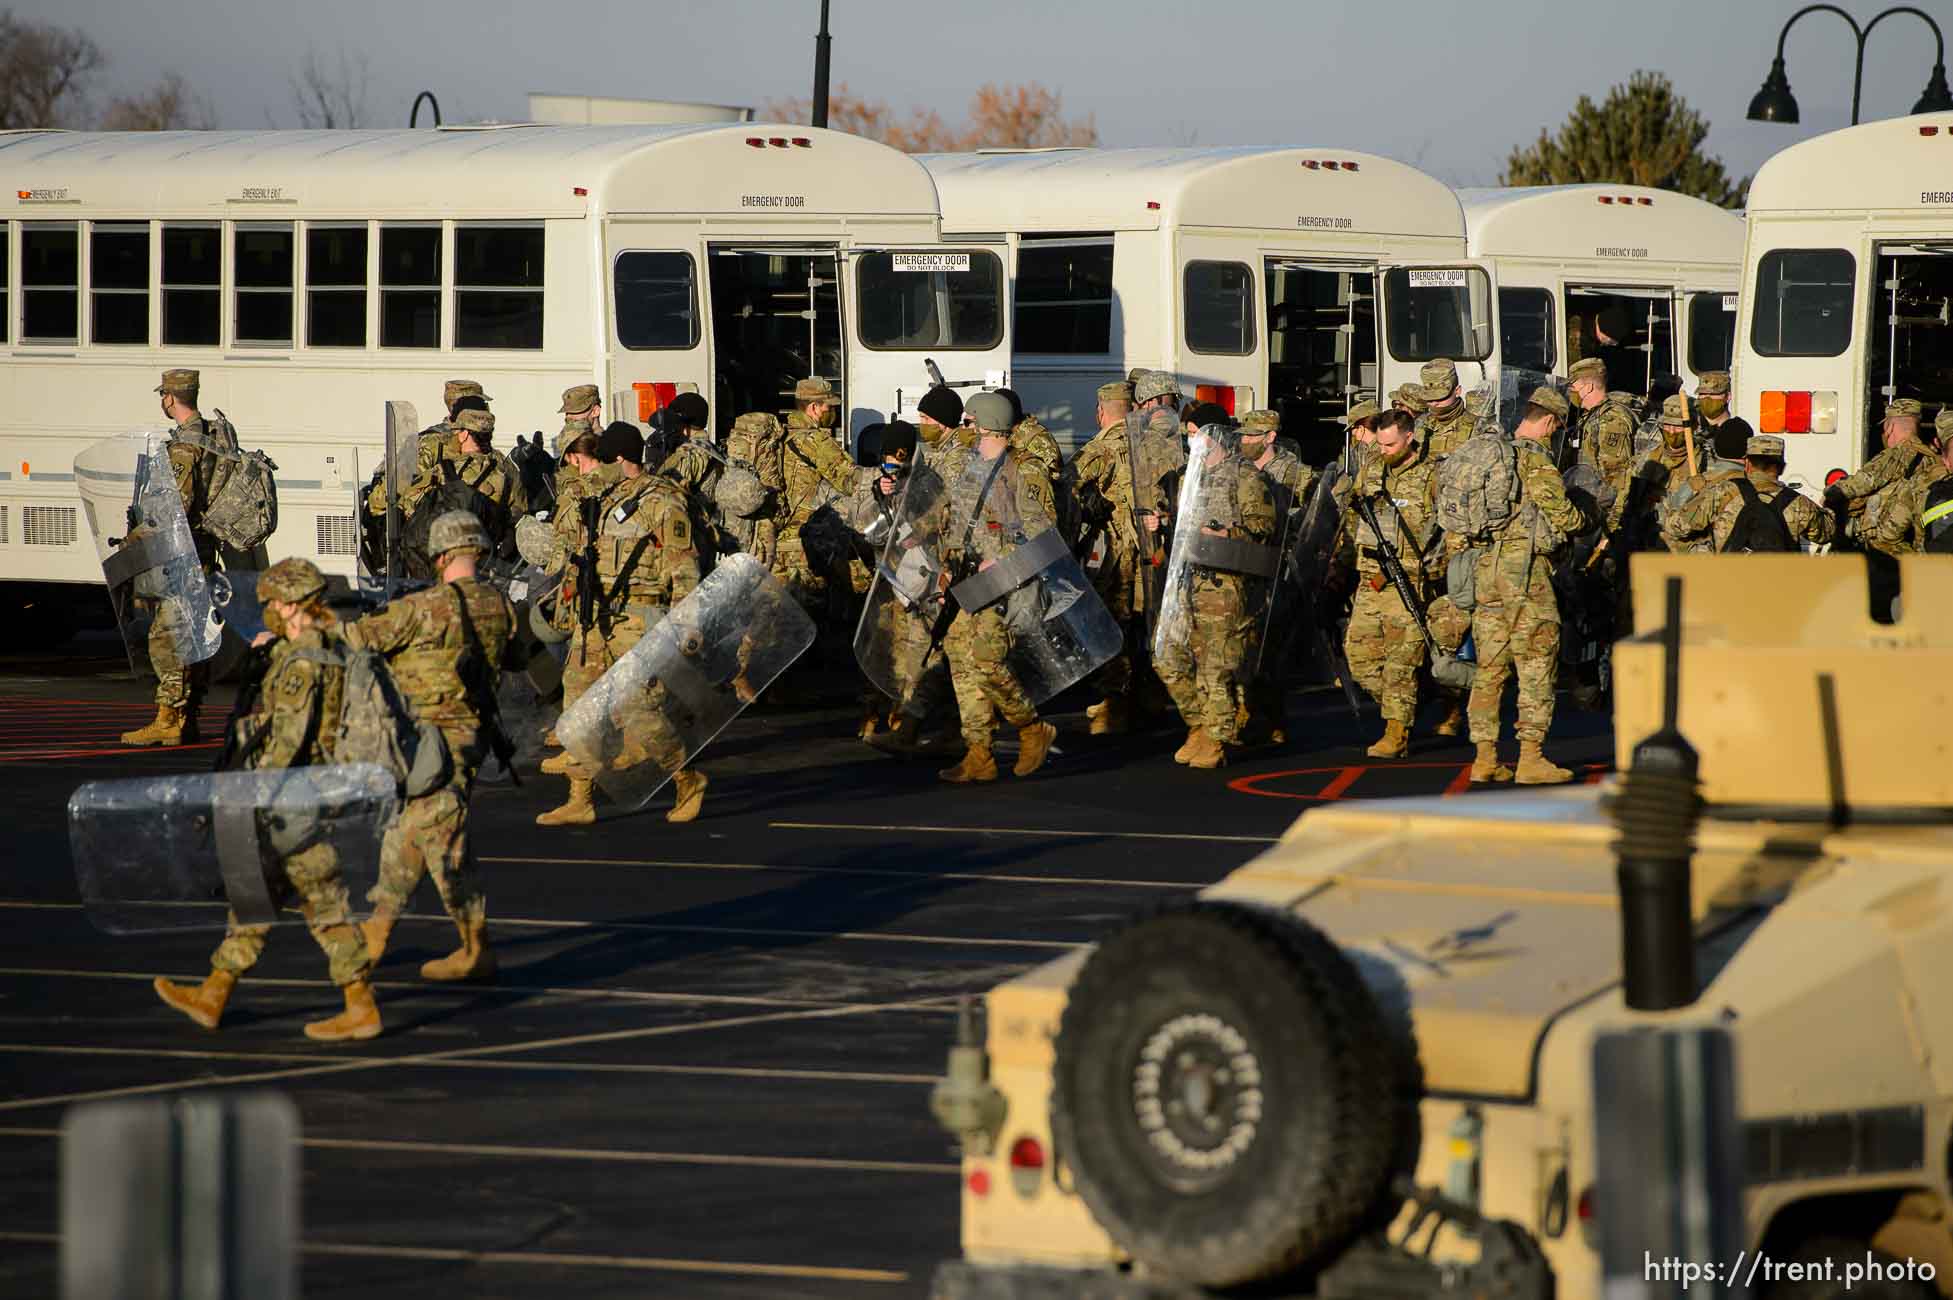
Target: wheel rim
(1196, 1099)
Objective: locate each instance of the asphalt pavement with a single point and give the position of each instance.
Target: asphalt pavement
(704, 1068)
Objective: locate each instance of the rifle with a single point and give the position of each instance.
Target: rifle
(1445, 667)
(955, 572)
(1094, 517)
(134, 514)
(588, 582)
(238, 747)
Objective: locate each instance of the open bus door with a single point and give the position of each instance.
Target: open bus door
(1437, 309)
(908, 306)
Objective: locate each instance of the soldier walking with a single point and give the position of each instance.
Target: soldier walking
(1290, 482)
(445, 648)
(295, 724)
(1102, 487)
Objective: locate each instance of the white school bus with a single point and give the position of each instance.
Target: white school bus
(1251, 274)
(1848, 277)
(1661, 269)
(313, 275)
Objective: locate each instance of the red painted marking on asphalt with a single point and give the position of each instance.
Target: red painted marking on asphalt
(1344, 780)
(51, 755)
(1462, 782)
(1346, 775)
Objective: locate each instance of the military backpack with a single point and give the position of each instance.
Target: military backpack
(240, 489)
(379, 724)
(1478, 485)
(1760, 524)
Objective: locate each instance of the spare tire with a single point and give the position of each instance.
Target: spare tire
(1229, 1098)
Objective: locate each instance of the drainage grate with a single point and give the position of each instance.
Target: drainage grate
(338, 535)
(4, 511)
(48, 525)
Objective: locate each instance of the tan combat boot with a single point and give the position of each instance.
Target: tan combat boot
(1208, 752)
(550, 741)
(1395, 742)
(1453, 722)
(376, 929)
(204, 1003)
(900, 738)
(1487, 767)
(1034, 745)
(171, 727)
(978, 765)
(1185, 752)
(1537, 769)
(559, 764)
(579, 809)
(471, 961)
(1110, 716)
(360, 1020)
(689, 792)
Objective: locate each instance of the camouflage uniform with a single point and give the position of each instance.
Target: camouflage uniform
(1384, 645)
(1443, 433)
(1606, 431)
(435, 641)
(1357, 454)
(1882, 480)
(811, 460)
(1712, 513)
(1037, 449)
(1903, 522)
(485, 483)
(1106, 465)
(296, 722)
(1203, 668)
(180, 686)
(1517, 621)
(1016, 507)
(1290, 482)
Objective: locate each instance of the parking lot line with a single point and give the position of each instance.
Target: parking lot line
(462, 1053)
(566, 1067)
(643, 1263)
(1012, 830)
(983, 877)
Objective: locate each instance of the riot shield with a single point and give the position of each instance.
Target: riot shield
(167, 853)
(1206, 509)
(654, 709)
(906, 599)
(1155, 456)
(156, 582)
(380, 508)
(1296, 599)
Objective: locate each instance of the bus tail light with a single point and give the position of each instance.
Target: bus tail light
(1797, 411)
(1834, 477)
(1232, 400)
(1026, 1165)
(652, 398)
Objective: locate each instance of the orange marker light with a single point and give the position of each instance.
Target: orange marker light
(1771, 413)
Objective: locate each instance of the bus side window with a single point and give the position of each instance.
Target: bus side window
(50, 281)
(1526, 329)
(193, 266)
(656, 299)
(498, 286)
(1064, 295)
(118, 282)
(1712, 331)
(1220, 314)
(1803, 302)
(410, 286)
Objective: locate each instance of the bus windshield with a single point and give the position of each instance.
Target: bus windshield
(952, 298)
(1438, 312)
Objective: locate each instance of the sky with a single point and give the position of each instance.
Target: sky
(1446, 86)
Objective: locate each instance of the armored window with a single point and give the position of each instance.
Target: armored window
(1526, 330)
(1064, 295)
(118, 282)
(1803, 302)
(262, 276)
(1712, 331)
(50, 282)
(1220, 308)
(193, 271)
(410, 286)
(498, 286)
(335, 286)
(656, 300)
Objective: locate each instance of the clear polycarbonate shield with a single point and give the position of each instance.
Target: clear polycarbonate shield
(1308, 530)
(163, 853)
(906, 599)
(1516, 387)
(156, 584)
(656, 708)
(1155, 455)
(1208, 523)
(380, 509)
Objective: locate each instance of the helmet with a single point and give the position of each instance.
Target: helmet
(456, 530)
(292, 580)
(990, 412)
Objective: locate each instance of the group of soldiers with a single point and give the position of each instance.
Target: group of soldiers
(1181, 559)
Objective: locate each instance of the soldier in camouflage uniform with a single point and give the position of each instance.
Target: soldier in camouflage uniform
(1881, 480)
(1713, 513)
(1516, 620)
(1384, 645)
(646, 562)
(1404, 397)
(816, 469)
(180, 687)
(295, 724)
(1290, 482)
(1904, 521)
(1446, 422)
(1102, 473)
(696, 464)
(470, 476)
(444, 438)
(1361, 421)
(1033, 442)
(1205, 667)
(1605, 425)
(582, 402)
(989, 516)
(445, 647)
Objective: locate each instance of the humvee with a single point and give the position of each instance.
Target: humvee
(1362, 1064)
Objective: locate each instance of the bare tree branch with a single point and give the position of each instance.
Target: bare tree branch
(170, 105)
(331, 97)
(44, 73)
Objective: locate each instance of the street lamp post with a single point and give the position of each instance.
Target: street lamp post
(1775, 103)
(822, 42)
(413, 116)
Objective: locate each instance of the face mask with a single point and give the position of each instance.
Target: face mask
(1712, 407)
(274, 622)
(1673, 439)
(830, 416)
(931, 434)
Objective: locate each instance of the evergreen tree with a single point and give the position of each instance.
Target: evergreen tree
(1643, 134)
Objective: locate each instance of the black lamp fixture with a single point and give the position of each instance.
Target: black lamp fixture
(1775, 103)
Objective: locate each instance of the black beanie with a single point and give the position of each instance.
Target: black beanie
(898, 436)
(1732, 439)
(942, 405)
(621, 441)
(689, 410)
(469, 403)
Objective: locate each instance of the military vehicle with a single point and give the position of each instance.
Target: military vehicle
(1363, 1063)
